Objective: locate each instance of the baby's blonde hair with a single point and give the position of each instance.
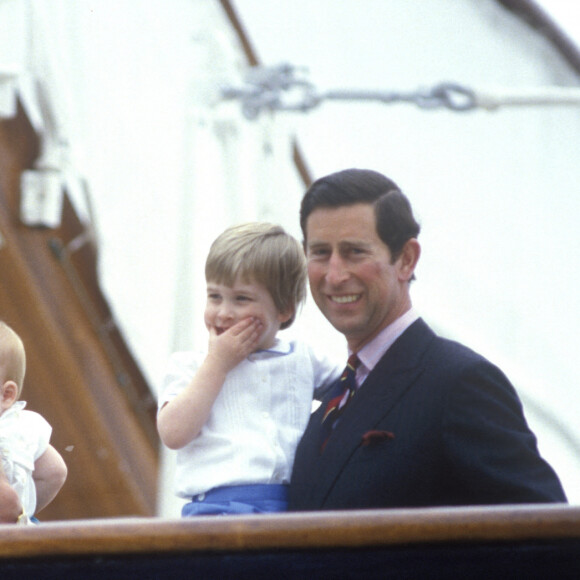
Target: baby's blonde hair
(12, 357)
(264, 253)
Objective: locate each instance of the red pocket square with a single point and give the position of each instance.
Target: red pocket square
(374, 436)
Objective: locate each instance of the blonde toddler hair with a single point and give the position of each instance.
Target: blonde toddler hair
(264, 253)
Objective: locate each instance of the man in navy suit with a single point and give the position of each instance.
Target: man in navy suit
(430, 423)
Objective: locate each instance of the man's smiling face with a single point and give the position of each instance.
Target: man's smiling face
(352, 278)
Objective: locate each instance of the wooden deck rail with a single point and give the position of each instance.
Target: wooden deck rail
(493, 542)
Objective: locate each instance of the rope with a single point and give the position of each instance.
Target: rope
(281, 89)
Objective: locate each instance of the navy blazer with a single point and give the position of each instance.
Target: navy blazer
(434, 424)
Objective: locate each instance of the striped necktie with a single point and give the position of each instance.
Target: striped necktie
(344, 391)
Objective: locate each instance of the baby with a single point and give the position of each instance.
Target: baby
(32, 466)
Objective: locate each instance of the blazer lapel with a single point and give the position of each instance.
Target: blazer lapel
(399, 368)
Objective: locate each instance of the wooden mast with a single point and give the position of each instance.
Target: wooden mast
(253, 60)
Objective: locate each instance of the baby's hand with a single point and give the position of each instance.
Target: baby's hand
(232, 346)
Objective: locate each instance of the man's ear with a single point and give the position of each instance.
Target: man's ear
(408, 259)
(9, 394)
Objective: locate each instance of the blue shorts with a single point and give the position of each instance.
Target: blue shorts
(238, 499)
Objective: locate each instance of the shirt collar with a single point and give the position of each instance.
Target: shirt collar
(280, 347)
(371, 353)
(16, 407)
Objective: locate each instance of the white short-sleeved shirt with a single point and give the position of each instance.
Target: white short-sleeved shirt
(24, 437)
(257, 419)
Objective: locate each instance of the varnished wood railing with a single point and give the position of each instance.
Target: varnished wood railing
(540, 541)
